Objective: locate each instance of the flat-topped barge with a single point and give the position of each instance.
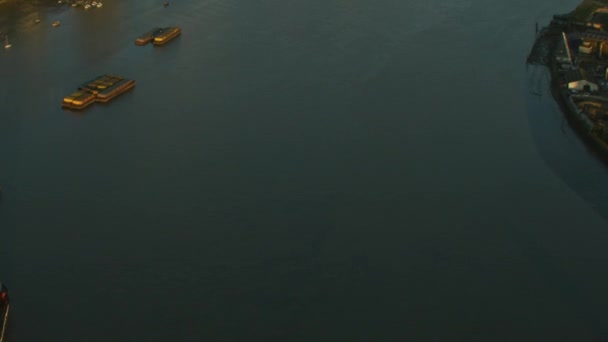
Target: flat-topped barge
(100, 89)
(166, 35)
(148, 36)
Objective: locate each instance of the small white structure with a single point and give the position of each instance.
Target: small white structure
(585, 48)
(578, 80)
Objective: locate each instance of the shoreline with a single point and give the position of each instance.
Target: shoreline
(546, 50)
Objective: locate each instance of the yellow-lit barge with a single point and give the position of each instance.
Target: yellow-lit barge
(166, 35)
(101, 89)
(148, 36)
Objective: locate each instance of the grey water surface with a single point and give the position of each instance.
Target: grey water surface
(296, 171)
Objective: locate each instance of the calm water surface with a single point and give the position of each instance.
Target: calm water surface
(296, 171)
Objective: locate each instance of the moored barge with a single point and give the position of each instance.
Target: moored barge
(100, 83)
(166, 35)
(79, 100)
(148, 36)
(101, 89)
(115, 90)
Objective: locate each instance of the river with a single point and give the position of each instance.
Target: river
(296, 171)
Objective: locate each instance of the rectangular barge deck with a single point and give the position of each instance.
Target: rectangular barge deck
(148, 36)
(100, 89)
(100, 83)
(79, 100)
(115, 90)
(167, 35)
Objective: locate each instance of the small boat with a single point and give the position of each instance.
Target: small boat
(94, 3)
(99, 4)
(37, 19)
(166, 4)
(74, 4)
(7, 45)
(60, 2)
(87, 6)
(4, 308)
(56, 23)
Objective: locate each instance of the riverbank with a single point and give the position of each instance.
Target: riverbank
(572, 48)
(575, 119)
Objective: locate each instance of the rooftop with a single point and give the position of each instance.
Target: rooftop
(576, 75)
(595, 35)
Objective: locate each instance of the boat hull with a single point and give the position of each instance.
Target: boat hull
(166, 36)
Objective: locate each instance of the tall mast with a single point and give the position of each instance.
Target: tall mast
(567, 47)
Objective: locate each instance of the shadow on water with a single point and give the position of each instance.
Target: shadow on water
(74, 112)
(567, 153)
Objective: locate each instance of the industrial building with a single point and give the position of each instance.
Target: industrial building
(579, 80)
(594, 41)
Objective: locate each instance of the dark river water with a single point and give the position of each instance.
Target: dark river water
(337, 170)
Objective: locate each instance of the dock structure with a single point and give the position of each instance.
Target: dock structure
(159, 35)
(100, 89)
